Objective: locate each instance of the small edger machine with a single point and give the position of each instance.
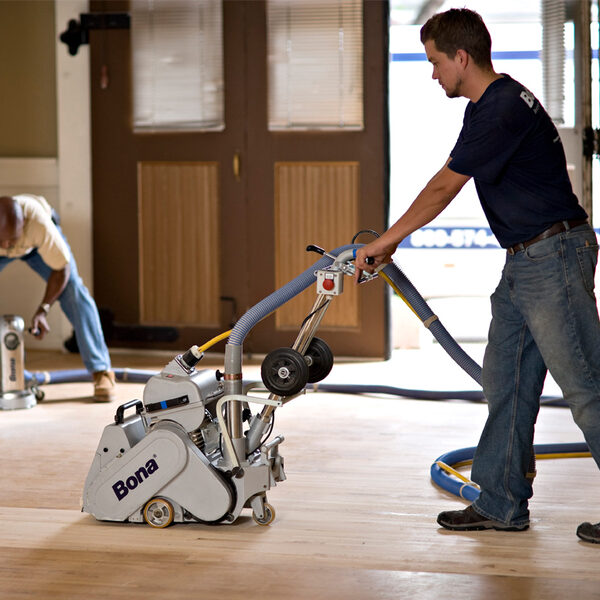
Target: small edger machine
(13, 392)
(195, 449)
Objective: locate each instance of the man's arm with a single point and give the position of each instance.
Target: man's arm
(431, 201)
(54, 287)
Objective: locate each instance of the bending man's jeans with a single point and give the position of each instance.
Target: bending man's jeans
(544, 317)
(79, 307)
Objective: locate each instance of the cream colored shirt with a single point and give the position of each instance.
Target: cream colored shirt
(39, 231)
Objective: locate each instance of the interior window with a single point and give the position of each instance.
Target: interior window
(177, 56)
(315, 50)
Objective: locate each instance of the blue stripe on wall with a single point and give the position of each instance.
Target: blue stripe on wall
(500, 55)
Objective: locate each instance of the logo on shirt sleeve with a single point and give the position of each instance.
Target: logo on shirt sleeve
(528, 97)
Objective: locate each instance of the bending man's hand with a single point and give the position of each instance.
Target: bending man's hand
(39, 324)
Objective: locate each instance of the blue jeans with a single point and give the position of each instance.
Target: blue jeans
(79, 307)
(544, 317)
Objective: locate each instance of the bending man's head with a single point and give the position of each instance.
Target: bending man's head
(11, 222)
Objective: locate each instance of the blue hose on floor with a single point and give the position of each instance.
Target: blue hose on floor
(79, 375)
(469, 395)
(466, 489)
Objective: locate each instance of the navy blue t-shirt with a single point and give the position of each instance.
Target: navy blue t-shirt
(511, 148)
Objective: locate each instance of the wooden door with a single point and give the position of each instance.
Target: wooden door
(193, 228)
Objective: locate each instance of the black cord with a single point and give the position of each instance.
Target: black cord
(314, 312)
(374, 233)
(268, 434)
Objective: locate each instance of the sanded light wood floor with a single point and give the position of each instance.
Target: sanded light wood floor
(355, 518)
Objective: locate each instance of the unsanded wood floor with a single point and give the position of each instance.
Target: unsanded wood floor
(355, 518)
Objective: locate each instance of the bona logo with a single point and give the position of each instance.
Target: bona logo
(122, 488)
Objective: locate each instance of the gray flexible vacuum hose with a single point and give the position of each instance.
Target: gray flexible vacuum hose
(279, 297)
(272, 302)
(430, 320)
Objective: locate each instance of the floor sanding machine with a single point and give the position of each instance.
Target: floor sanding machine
(198, 447)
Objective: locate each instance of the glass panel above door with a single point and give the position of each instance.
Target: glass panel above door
(177, 63)
(315, 64)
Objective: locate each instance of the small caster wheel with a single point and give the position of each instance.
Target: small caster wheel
(158, 513)
(39, 394)
(284, 372)
(268, 516)
(320, 360)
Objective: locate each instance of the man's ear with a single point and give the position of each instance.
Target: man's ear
(463, 57)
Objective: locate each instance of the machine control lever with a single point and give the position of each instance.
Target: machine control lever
(319, 250)
(313, 248)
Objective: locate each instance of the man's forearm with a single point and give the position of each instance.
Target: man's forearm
(55, 285)
(430, 202)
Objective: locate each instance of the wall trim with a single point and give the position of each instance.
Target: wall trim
(27, 172)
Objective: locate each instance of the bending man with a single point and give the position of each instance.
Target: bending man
(29, 231)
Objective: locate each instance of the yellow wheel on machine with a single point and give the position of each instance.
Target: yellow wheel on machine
(267, 518)
(158, 513)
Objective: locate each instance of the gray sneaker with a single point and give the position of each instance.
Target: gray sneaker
(469, 519)
(589, 533)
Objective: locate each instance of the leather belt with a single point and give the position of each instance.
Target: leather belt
(556, 228)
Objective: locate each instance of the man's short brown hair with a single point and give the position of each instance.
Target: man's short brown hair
(460, 29)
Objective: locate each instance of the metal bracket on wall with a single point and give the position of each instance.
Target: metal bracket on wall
(77, 32)
(591, 142)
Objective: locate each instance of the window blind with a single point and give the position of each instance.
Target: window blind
(177, 64)
(315, 64)
(553, 57)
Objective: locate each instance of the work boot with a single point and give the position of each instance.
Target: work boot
(589, 533)
(104, 386)
(469, 519)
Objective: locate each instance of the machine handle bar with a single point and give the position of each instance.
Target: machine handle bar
(139, 407)
(313, 248)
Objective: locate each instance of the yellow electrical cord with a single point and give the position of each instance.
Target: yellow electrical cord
(214, 340)
(564, 455)
(449, 469)
(395, 288)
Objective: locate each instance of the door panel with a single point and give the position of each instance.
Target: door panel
(193, 228)
(179, 287)
(317, 202)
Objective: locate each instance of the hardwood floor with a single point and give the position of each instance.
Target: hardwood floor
(355, 518)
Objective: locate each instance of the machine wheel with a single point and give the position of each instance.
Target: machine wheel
(39, 394)
(284, 372)
(158, 513)
(320, 360)
(268, 517)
